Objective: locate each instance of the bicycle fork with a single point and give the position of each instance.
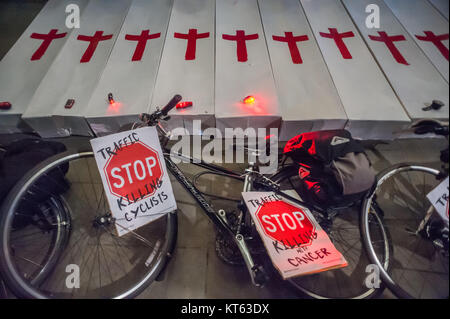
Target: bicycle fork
(257, 272)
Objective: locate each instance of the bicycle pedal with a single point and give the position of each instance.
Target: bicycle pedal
(260, 275)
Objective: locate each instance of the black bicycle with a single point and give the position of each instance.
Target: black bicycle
(109, 266)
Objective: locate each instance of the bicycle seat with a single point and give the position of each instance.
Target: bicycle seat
(430, 126)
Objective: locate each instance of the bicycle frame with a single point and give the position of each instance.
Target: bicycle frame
(201, 200)
(256, 272)
(219, 219)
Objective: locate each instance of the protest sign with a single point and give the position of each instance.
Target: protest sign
(295, 242)
(134, 176)
(439, 198)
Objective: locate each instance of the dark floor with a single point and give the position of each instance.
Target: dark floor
(15, 16)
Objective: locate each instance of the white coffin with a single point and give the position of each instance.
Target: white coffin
(413, 77)
(418, 16)
(19, 75)
(308, 99)
(235, 80)
(68, 78)
(371, 105)
(130, 81)
(190, 76)
(442, 6)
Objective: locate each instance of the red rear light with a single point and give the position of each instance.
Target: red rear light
(5, 105)
(183, 105)
(69, 103)
(249, 99)
(110, 98)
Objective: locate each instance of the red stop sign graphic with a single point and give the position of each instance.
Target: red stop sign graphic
(134, 173)
(285, 223)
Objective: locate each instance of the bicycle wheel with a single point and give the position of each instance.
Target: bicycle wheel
(418, 268)
(93, 262)
(38, 236)
(348, 282)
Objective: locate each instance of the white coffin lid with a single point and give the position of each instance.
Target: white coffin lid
(418, 16)
(442, 6)
(236, 80)
(19, 76)
(416, 84)
(67, 78)
(364, 91)
(132, 82)
(192, 79)
(305, 90)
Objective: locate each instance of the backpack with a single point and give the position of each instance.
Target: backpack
(19, 153)
(333, 167)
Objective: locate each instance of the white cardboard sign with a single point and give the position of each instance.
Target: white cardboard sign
(442, 6)
(300, 73)
(243, 68)
(439, 198)
(296, 243)
(24, 66)
(427, 27)
(371, 105)
(76, 70)
(187, 62)
(135, 177)
(131, 69)
(411, 74)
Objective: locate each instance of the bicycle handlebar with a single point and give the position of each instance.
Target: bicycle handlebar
(153, 118)
(172, 103)
(431, 127)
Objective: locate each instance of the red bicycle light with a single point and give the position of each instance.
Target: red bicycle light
(183, 105)
(69, 103)
(249, 99)
(5, 105)
(110, 98)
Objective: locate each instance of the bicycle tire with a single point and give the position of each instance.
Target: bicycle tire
(63, 216)
(365, 293)
(11, 275)
(368, 205)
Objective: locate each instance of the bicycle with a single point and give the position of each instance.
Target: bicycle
(418, 236)
(122, 267)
